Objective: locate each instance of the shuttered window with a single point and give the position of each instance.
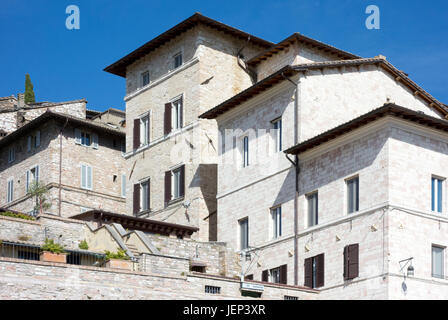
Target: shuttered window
(84, 138)
(11, 155)
(314, 268)
(277, 134)
(436, 194)
(351, 261)
(10, 191)
(167, 119)
(144, 130)
(353, 195)
(178, 60)
(32, 176)
(136, 199)
(276, 216)
(136, 134)
(177, 114)
(175, 184)
(86, 177)
(265, 276)
(245, 152)
(144, 196)
(145, 78)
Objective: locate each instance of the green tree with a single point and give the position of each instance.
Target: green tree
(39, 190)
(29, 91)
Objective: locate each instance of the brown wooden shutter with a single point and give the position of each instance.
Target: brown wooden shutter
(265, 276)
(136, 196)
(182, 181)
(346, 263)
(353, 261)
(283, 274)
(249, 277)
(308, 267)
(167, 187)
(167, 124)
(136, 133)
(320, 270)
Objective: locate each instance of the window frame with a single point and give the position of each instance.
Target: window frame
(177, 113)
(10, 190)
(244, 241)
(144, 197)
(246, 150)
(123, 185)
(315, 219)
(86, 187)
(145, 129)
(278, 133)
(276, 222)
(175, 62)
(437, 194)
(31, 175)
(142, 78)
(11, 154)
(176, 183)
(349, 198)
(442, 267)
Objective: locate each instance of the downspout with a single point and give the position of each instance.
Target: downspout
(60, 167)
(295, 163)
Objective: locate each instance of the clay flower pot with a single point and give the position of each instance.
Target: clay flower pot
(119, 264)
(53, 257)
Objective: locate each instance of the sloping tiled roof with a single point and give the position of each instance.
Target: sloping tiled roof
(35, 123)
(119, 68)
(386, 110)
(135, 223)
(293, 69)
(297, 37)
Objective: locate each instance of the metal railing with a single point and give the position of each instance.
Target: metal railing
(33, 252)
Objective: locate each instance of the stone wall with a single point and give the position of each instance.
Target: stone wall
(47, 281)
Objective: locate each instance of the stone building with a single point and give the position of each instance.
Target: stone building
(327, 217)
(171, 153)
(79, 160)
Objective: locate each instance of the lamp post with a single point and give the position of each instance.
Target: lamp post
(410, 269)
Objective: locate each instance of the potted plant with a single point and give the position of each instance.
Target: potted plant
(53, 252)
(118, 260)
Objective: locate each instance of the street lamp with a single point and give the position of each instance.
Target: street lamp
(410, 270)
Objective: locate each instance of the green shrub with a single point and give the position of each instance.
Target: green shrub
(120, 255)
(17, 215)
(52, 247)
(83, 245)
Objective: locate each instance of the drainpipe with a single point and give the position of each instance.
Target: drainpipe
(60, 166)
(295, 163)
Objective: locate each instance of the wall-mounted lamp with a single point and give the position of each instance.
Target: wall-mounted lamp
(410, 270)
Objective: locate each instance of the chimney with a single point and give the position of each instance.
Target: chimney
(20, 100)
(380, 56)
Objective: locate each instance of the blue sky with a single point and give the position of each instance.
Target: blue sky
(67, 64)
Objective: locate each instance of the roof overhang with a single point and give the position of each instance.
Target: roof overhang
(119, 68)
(289, 70)
(49, 115)
(386, 110)
(135, 223)
(299, 38)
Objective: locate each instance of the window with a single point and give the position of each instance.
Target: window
(436, 194)
(277, 124)
(212, 289)
(145, 78)
(314, 271)
(144, 130)
(438, 262)
(11, 154)
(177, 60)
(10, 191)
(176, 183)
(312, 209)
(244, 233)
(144, 196)
(275, 275)
(32, 176)
(176, 111)
(86, 177)
(276, 215)
(351, 261)
(123, 185)
(353, 195)
(86, 139)
(245, 151)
